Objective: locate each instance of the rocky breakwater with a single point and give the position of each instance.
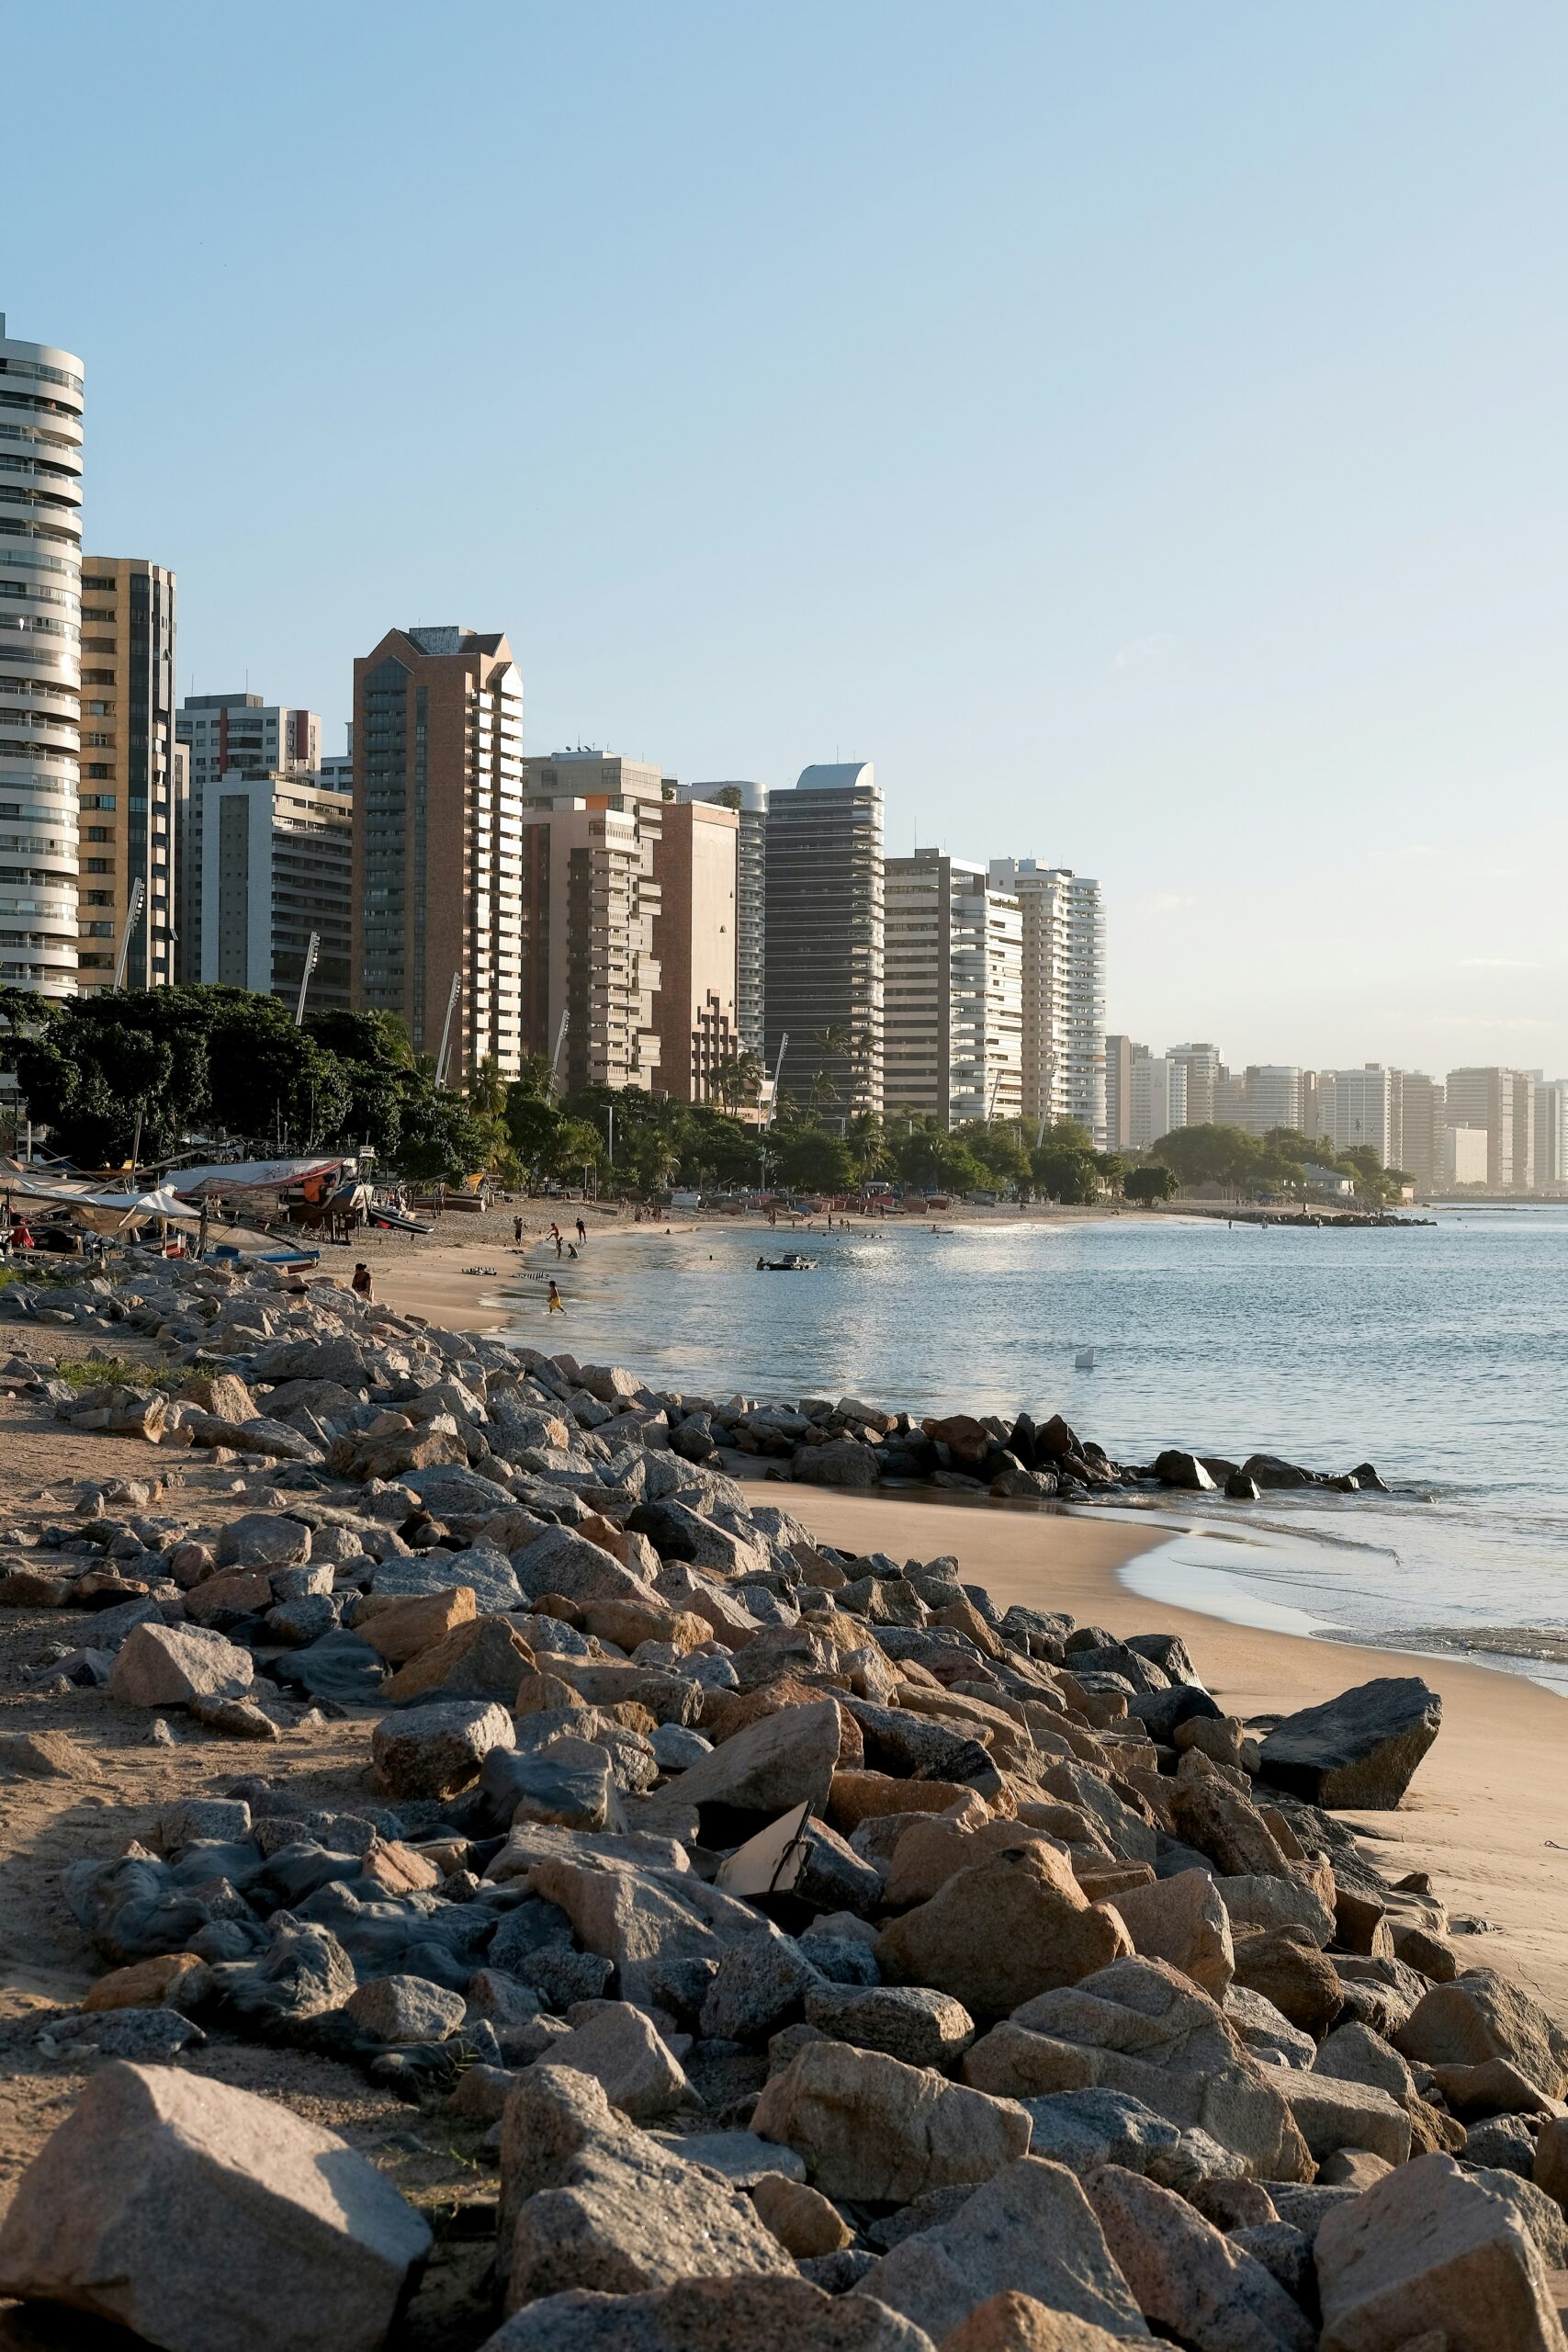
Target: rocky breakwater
(813, 1953)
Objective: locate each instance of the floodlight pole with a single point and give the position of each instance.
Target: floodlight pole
(313, 956)
(133, 915)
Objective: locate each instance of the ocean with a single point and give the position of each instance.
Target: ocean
(1438, 1351)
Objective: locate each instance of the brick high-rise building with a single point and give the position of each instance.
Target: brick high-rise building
(128, 791)
(438, 847)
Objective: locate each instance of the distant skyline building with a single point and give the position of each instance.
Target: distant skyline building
(41, 679)
(127, 796)
(952, 1033)
(1466, 1155)
(1418, 1116)
(1157, 1097)
(749, 801)
(1063, 990)
(1355, 1109)
(277, 857)
(437, 842)
(1266, 1095)
(1201, 1062)
(695, 867)
(824, 936)
(1502, 1102)
(1119, 1050)
(593, 828)
(1551, 1135)
(227, 734)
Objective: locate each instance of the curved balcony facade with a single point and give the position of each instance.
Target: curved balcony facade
(40, 662)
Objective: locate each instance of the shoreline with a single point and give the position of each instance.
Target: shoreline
(1484, 1812)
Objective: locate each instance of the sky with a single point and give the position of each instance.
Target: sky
(1136, 426)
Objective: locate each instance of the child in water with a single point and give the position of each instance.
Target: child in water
(556, 1303)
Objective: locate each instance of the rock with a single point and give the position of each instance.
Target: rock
(484, 1659)
(995, 1936)
(434, 1751)
(911, 2022)
(1331, 2115)
(1140, 2025)
(1084, 2130)
(643, 1920)
(167, 1666)
(802, 2220)
(1427, 2249)
(739, 2157)
(876, 2130)
(561, 1561)
(840, 1462)
(1550, 2169)
(1288, 1970)
(405, 2008)
(1014, 2323)
(710, 2316)
(1030, 2229)
(234, 1718)
(1221, 1822)
(570, 1782)
(1539, 2214)
(226, 1600)
(45, 1756)
(199, 2215)
(590, 2201)
(1482, 2018)
(168, 1980)
(1420, 1950)
(399, 1629)
(259, 1540)
(936, 1845)
(780, 1760)
(1259, 1901)
(624, 2052)
(760, 1984)
(1255, 2020)
(1185, 2275)
(1354, 2053)
(1360, 1749)
(1355, 2168)
(1174, 1468)
(1184, 1920)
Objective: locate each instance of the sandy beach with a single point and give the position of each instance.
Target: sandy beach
(1487, 1814)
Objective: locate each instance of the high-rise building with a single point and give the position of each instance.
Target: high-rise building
(127, 794)
(1502, 1102)
(1064, 992)
(437, 842)
(1416, 1141)
(1551, 1135)
(277, 855)
(229, 734)
(593, 834)
(1466, 1152)
(1266, 1095)
(1119, 1053)
(1157, 1097)
(953, 1022)
(750, 802)
(1355, 1109)
(42, 664)
(1200, 1061)
(824, 945)
(695, 866)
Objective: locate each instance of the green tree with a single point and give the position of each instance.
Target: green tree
(1153, 1181)
(1216, 1155)
(814, 1162)
(931, 1160)
(1064, 1173)
(998, 1145)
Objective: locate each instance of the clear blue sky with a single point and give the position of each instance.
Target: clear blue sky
(1137, 427)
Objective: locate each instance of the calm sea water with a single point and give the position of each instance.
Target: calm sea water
(1440, 1353)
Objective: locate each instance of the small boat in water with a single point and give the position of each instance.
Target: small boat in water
(790, 1263)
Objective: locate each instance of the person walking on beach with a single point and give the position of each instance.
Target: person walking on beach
(581, 1230)
(556, 1304)
(362, 1283)
(517, 1228)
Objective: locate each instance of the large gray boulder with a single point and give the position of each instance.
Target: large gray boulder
(198, 2215)
(435, 1751)
(703, 2314)
(167, 1666)
(1360, 1749)
(643, 1920)
(1187, 2276)
(1030, 2228)
(777, 1761)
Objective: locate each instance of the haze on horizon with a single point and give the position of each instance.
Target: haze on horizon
(1139, 431)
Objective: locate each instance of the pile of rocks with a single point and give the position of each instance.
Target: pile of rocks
(822, 1955)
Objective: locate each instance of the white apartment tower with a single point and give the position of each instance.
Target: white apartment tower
(1063, 990)
(952, 1034)
(41, 679)
(1157, 1089)
(277, 855)
(225, 735)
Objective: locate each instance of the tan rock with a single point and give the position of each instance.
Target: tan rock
(1013, 2322)
(224, 1599)
(147, 1984)
(1222, 1823)
(222, 1394)
(482, 1658)
(963, 1617)
(1288, 1969)
(857, 1796)
(1427, 2248)
(1140, 2025)
(802, 2218)
(1332, 2115)
(881, 2133)
(629, 1623)
(1480, 2016)
(997, 1935)
(1184, 1920)
(1187, 2276)
(399, 1628)
(1355, 2168)
(937, 1845)
(398, 1870)
(1551, 2159)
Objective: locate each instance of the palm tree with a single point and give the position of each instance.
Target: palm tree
(832, 1044)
